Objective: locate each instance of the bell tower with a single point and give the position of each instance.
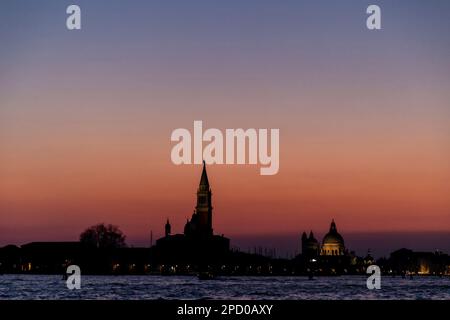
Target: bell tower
(204, 208)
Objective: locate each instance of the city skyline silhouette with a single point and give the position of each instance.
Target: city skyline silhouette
(288, 245)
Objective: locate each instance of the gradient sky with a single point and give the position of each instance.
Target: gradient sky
(86, 116)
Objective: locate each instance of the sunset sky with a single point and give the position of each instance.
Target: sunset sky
(86, 116)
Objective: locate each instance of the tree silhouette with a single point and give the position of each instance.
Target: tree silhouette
(101, 236)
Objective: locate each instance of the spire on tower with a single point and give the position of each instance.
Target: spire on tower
(333, 226)
(203, 209)
(204, 183)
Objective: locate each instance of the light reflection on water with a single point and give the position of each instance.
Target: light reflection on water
(185, 287)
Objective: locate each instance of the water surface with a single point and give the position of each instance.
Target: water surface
(186, 287)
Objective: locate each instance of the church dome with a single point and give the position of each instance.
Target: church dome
(333, 237)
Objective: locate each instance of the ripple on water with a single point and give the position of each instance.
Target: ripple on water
(158, 287)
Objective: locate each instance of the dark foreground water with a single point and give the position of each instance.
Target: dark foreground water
(180, 287)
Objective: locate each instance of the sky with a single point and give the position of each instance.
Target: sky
(86, 117)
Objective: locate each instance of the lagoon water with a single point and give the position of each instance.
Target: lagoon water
(188, 287)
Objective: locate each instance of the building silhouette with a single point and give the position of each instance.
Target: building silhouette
(332, 244)
(167, 229)
(200, 224)
(198, 244)
(310, 245)
(330, 257)
(198, 249)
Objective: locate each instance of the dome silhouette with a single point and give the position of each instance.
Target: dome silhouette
(333, 242)
(333, 237)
